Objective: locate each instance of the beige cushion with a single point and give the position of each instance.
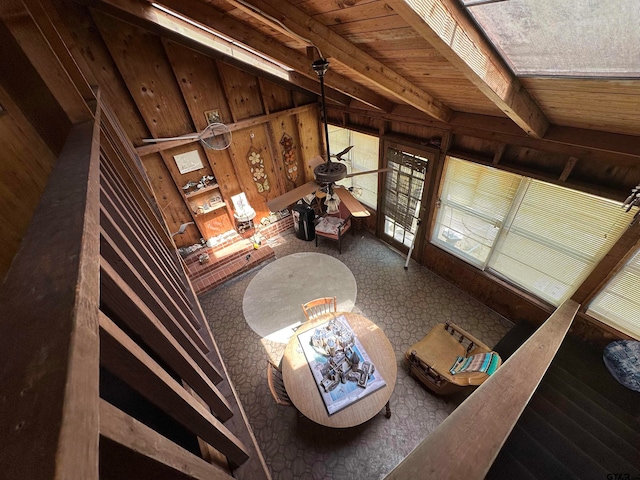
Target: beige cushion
(329, 225)
(439, 349)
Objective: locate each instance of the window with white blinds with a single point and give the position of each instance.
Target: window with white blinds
(618, 304)
(556, 238)
(362, 157)
(474, 203)
(542, 237)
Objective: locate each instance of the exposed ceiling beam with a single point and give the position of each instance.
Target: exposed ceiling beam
(608, 148)
(144, 15)
(226, 25)
(206, 15)
(333, 46)
(445, 26)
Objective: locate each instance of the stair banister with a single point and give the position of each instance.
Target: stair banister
(467, 442)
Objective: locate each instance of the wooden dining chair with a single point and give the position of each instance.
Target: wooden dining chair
(319, 306)
(276, 385)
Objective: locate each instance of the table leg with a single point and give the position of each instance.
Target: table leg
(388, 409)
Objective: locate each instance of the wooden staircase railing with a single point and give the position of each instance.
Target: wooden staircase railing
(467, 442)
(95, 293)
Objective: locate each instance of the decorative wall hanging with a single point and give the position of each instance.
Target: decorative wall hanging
(289, 157)
(212, 116)
(188, 162)
(256, 165)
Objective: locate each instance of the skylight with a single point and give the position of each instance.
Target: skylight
(579, 38)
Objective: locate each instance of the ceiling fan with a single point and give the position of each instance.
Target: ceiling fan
(326, 173)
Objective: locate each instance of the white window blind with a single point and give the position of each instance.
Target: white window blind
(556, 238)
(541, 237)
(362, 157)
(618, 304)
(474, 203)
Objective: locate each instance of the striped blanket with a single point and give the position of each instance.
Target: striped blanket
(481, 362)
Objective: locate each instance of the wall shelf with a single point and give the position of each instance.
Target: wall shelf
(208, 188)
(213, 208)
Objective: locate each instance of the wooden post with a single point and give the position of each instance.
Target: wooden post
(49, 328)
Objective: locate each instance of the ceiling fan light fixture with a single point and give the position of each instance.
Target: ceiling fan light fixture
(332, 202)
(330, 172)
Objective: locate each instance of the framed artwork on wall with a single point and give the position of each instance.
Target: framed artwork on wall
(188, 162)
(213, 116)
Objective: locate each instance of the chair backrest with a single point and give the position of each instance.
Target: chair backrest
(319, 306)
(276, 385)
(343, 211)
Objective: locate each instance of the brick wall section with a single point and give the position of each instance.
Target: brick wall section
(232, 257)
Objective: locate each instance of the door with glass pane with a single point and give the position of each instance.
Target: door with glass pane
(402, 207)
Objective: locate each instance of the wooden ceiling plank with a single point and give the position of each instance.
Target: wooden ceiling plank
(339, 88)
(443, 24)
(335, 47)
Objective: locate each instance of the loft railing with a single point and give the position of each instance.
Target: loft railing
(108, 367)
(467, 442)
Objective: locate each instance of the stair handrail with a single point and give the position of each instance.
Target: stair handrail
(467, 442)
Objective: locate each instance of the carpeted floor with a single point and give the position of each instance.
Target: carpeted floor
(405, 304)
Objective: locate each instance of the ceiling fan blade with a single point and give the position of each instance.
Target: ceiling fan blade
(292, 196)
(380, 170)
(353, 205)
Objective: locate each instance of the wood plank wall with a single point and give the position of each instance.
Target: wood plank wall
(162, 89)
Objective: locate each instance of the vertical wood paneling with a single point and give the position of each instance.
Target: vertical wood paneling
(25, 165)
(289, 126)
(94, 51)
(310, 141)
(198, 78)
(275, 97)
(242, 92)
(199, 82)
(169, 200)
(142, 62)
(240, 148)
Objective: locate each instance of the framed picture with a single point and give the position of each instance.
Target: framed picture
(213, 116)
(188, 162)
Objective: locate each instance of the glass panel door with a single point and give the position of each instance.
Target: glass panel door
(402, 205)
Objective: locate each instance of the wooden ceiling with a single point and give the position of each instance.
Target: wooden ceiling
(423, 53)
